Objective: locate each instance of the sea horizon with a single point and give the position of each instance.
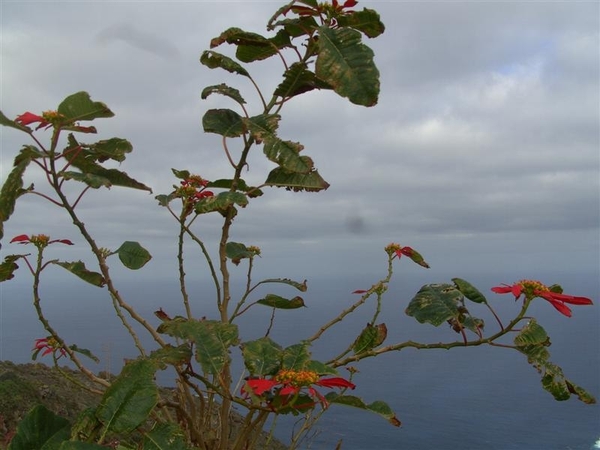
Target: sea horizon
(470, 398)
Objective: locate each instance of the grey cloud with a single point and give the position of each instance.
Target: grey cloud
(487, 125)
(141, 40)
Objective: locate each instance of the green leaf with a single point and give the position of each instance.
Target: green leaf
(320, 368)
(237, 251)
(435, 304)
(85, 352)
(262, 357)
(76, 445)
(298, 80)
(12, 188)
(224, 122)
(114, 148)
(287, 155)
(166, 436)
(275, 301)
(294, 27)
(78, 268)
(469, 291)
(212, 338)
(214, 60)
(263, 126)
(472, 323)
(347, 65)
(366, 21)
(369, 338)
(87, 426)
(8, 267)
(11, 123)
(93, 173)
(181, 174)
(261, 48)
(127, 403)
(225, 90)
(220, 202)
(302, 287)
(40, 429)
(296, 356)
(79, 106)
(227, 183)
(172, 356)
(165, 199)
(533, 342)
(93, 181)
(133, 255)
(309, 182)
(532, 334)
(378, 407)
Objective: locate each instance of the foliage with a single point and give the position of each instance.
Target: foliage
(321, 47)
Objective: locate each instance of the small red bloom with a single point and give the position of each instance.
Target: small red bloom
(346, 4)
(39, 240)
(532, 289)
(407, 251)
(48, 345)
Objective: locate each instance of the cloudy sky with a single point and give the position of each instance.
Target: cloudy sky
(483, 152)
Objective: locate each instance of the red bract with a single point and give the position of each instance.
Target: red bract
(533, 288)
(285, 387)
(29, 118)
(21, 239)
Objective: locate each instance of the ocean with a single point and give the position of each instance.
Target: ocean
(466, 398)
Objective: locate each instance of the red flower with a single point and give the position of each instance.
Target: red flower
(287, 387)
(48, 345)
(39, 240)
(532, 289)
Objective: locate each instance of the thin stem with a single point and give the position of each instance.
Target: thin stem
(378, 287)
(211, 266)
(180, 265)
(52, 331)
(439, 345)
(117, 299)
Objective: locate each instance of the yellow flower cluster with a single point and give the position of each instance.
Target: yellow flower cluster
(52, 116)
(533, 285)
(39, 240)
(297, 378)
(392, 248)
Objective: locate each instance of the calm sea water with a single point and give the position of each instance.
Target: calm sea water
(466, 398)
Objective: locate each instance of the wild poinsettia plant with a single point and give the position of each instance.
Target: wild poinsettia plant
(320, 46)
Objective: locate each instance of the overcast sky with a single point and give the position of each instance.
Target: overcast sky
(483, 152)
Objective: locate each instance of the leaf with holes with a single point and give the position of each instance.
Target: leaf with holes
(435, 304)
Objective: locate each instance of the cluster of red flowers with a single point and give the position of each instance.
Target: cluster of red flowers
(193, 189)
(533, 288)
(285, 389)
